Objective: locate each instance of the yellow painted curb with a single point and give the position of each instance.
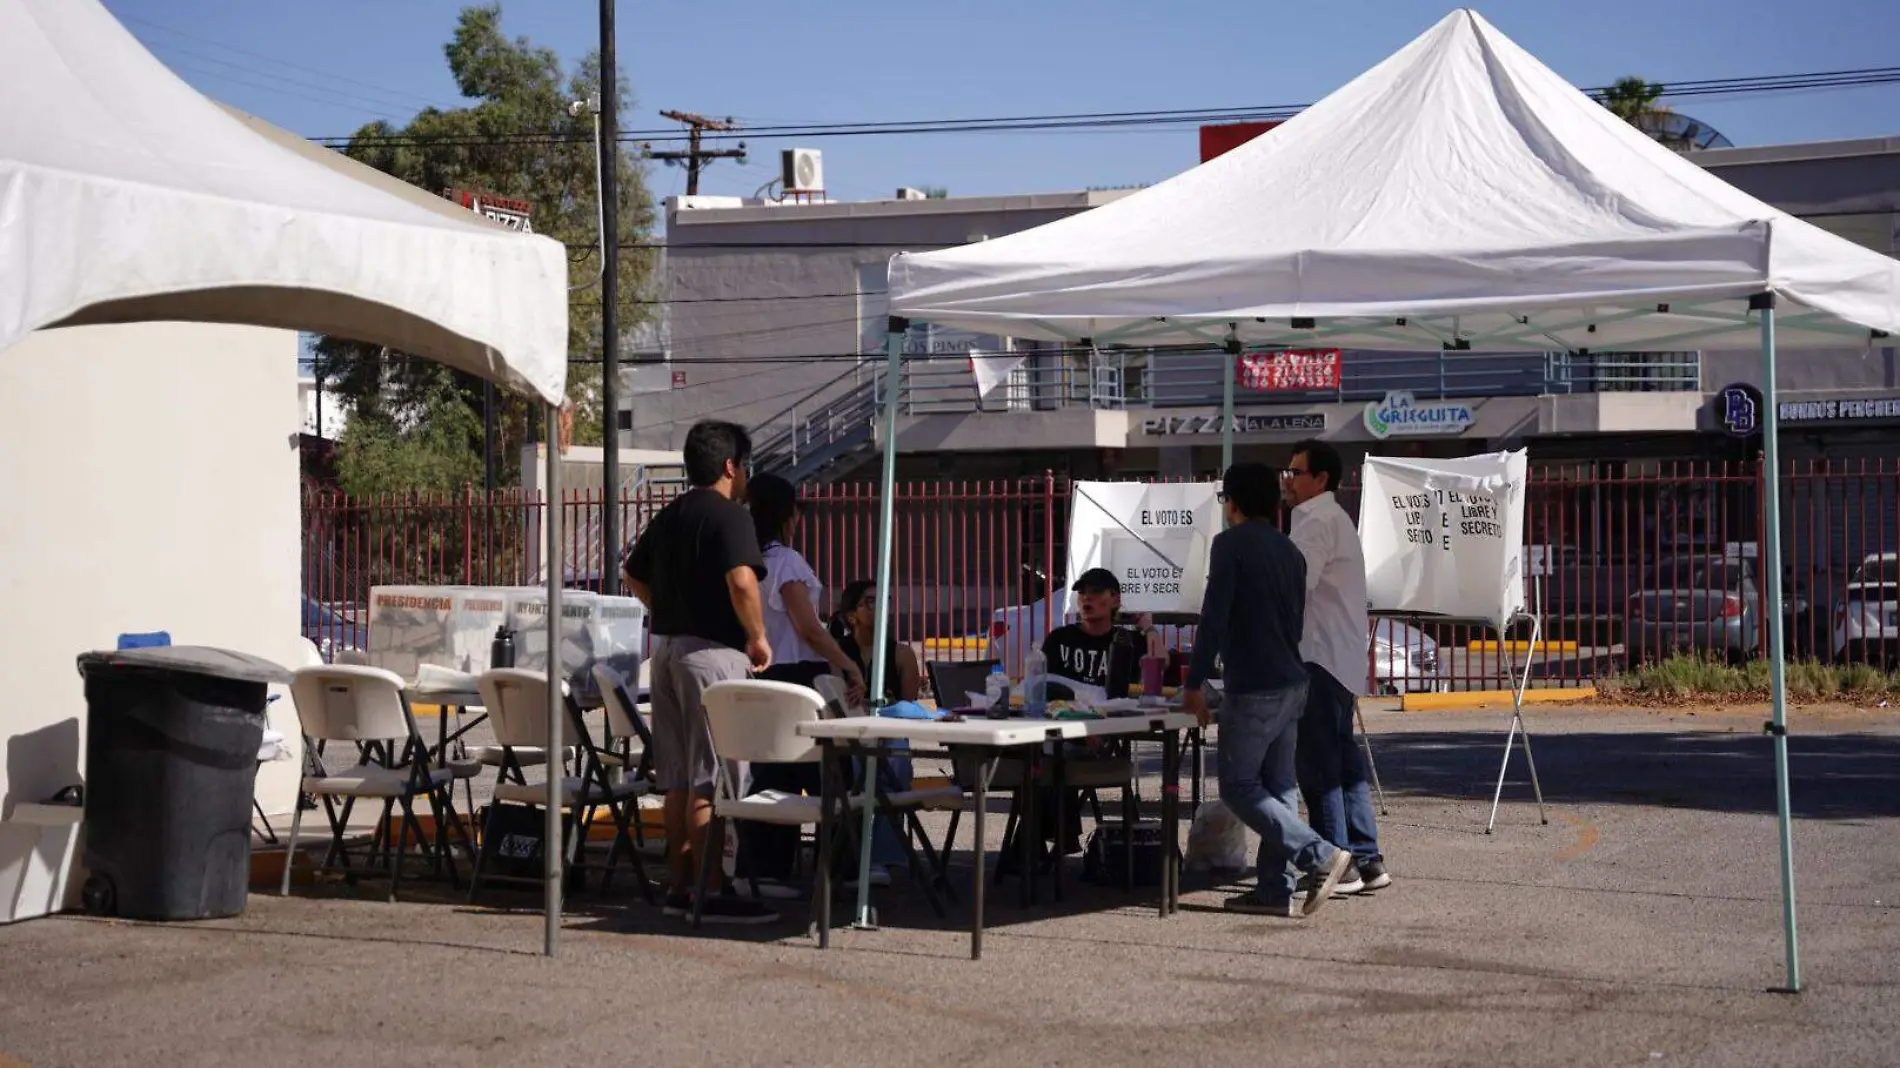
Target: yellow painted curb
(1522, 647)
(956, 643)
(1421, 702)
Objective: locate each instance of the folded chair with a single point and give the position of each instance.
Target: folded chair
(368, 708)
(628, 741)
(517, 703)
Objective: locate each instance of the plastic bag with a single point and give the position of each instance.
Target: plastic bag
(1217, 840)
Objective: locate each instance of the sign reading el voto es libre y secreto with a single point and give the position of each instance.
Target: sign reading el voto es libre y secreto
(1445, 537)
(1154, 538)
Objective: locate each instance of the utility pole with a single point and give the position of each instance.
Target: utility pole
(695, 157)
(609, 149)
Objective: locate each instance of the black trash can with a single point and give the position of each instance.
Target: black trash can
(172, 735)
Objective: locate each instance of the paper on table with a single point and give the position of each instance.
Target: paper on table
(431, 678)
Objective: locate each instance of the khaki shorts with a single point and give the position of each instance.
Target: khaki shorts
(682, 741)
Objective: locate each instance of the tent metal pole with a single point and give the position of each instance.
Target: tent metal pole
(1230, 353)
(552, 848)
(884, 632)
(1777, 667)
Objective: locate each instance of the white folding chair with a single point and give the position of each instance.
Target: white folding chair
(756, 722)
(517, 703)
(368, 708)
(904, 805)
(629, 739)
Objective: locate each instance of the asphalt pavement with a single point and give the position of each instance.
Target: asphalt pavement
(1641, 925)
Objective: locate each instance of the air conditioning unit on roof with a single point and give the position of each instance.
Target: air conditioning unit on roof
(907, 193)
(802, 170)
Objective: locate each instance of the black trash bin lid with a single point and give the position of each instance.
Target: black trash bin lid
(191, 660)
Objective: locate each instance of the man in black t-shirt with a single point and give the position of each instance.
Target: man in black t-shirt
(1094, 650)
(697, 567)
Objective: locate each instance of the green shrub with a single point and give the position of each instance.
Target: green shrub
(1685, 678)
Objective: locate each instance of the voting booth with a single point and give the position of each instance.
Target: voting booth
(1444, 539)
(1155, 538)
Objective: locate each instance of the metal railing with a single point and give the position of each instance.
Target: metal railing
(972, 559)
(836, 420)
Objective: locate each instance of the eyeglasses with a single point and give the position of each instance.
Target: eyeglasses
(1293, 472)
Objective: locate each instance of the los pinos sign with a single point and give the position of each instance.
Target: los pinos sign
(1400, 414)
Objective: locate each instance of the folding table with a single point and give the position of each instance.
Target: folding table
(989, 740)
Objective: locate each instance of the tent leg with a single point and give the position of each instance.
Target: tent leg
(887, 514)
(1227, 405)
(1518, 727)
(551, 835)
(1777, 668)
(1372, 769)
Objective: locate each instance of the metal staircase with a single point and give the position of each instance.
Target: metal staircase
(818, 442)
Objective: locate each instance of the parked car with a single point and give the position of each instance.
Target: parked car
(1867, 621)
(1705, 605)
(1404, 659)
(332, 631)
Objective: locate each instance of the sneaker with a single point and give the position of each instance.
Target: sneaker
(1374, 874)
(1253, 906)
(735, 911)
(678, 903)
(1320, 883)
(1349, 883)
(765, 890)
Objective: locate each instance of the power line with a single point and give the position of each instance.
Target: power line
(1708, 87)
(277, 62)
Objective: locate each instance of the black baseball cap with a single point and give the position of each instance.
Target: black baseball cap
(1098, 578)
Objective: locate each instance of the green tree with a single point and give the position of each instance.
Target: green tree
(1634, 101)
(515, 88)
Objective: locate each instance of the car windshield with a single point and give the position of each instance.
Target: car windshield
(1706, 573)
(1883, 569)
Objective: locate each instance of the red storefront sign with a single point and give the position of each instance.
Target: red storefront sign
(1287, 370)
(1220, 139)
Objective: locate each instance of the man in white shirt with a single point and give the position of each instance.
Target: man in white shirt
(1331, 769)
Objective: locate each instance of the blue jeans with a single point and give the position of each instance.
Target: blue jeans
(1332, 770)
(1257, 737)
(887, 843)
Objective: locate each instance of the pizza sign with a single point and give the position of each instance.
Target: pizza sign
(512, 213)
(1287, 370)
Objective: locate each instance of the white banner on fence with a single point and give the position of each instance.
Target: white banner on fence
(1445, 537)
(1153, 537)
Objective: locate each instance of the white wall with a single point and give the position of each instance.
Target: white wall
(148, 481)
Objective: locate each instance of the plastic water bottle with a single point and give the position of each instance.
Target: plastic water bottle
(1036, 684)
(996, 690)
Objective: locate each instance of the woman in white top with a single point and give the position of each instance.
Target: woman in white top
(802, 650)
(802, 647)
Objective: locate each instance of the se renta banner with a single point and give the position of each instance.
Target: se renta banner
(1445, 537)
(1154, 538)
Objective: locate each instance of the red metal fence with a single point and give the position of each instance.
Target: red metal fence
(1627, 567)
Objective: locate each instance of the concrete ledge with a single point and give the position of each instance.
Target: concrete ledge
(1467, 699)
(1483, 646)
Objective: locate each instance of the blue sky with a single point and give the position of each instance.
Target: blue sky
(323, 69)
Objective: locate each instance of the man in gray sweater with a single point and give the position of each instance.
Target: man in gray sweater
(1251, 618)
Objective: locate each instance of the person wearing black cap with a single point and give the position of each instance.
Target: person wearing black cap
(1093, 650)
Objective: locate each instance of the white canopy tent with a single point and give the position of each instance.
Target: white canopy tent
(125, 196)
(1459, 194)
